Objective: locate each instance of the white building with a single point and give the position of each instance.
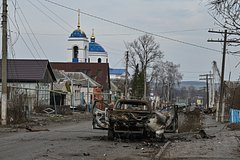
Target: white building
(81, 50)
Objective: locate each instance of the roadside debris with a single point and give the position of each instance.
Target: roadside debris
(35, 130)
(202, 134)
(86, 154)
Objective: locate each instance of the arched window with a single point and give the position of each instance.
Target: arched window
(99, 60)
(75, 52)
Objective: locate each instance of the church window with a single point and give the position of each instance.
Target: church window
(99, 60)
(75, 52)
(88, 60)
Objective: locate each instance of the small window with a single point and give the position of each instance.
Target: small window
(99, 60)
(75, 52)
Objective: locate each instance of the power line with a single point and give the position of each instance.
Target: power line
(18, 30)
(133, 28)
(47, 16)
(188, 30)
(32, 33)
(33, 46)
(24, 41)
(55, 14)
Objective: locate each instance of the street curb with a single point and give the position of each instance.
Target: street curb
(157, 157)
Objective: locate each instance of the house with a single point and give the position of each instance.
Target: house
(80, 87)
(99, 72)
(33, 78)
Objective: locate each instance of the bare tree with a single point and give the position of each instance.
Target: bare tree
(226, 13)
(165, 76)
(142, 53)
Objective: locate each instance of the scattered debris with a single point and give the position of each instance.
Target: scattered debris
(126, 146)
(35, 130)
(158, 156)
(203, 135)
(86, 154)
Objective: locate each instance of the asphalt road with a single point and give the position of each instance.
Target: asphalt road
(73, 141)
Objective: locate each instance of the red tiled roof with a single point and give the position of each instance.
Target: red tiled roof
(97, 71)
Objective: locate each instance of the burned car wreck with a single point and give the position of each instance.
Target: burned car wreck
(131, 117)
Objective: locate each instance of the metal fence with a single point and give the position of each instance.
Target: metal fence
(22, 102)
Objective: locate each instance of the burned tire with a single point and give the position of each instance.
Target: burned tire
(110, 134)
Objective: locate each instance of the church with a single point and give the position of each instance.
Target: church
(80, 50)
(86, 56)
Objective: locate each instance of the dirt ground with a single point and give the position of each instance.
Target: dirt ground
(43, 121)
(71, 137)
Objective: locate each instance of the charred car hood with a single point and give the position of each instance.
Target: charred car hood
(127, 115)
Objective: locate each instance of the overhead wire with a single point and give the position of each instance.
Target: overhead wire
(12, 43)
(62, 20)
(18, 30)
(36, 39)
(30, 39)
(12, 51)
(133, 28)
(27, 46)
(114, 65)
(23, 40)
(48, 16)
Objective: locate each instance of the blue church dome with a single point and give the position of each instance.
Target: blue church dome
(95, 47)
(78, 34)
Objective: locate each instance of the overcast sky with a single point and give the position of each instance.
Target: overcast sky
(183, 20)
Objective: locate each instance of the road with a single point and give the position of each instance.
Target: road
(73, 141)
(220, 143)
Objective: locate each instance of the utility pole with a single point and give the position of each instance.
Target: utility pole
(88, 104)
(225, 41)
(126, 77)
(212, 91)
(145, 83)
(4, 64)
(207, 77)
(222, 76)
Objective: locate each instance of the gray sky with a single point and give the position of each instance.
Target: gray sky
(183, 20)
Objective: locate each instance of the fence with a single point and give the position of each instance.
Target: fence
(22, 102)
(234, 116)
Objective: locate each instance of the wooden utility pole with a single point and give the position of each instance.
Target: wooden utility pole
(207, 77)
(225, 41)
(222, 76)
(145, 84)
(4, 64)
(126, 77)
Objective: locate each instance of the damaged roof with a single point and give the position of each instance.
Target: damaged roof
(28, 70)
(78, 77)
(99, 72)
